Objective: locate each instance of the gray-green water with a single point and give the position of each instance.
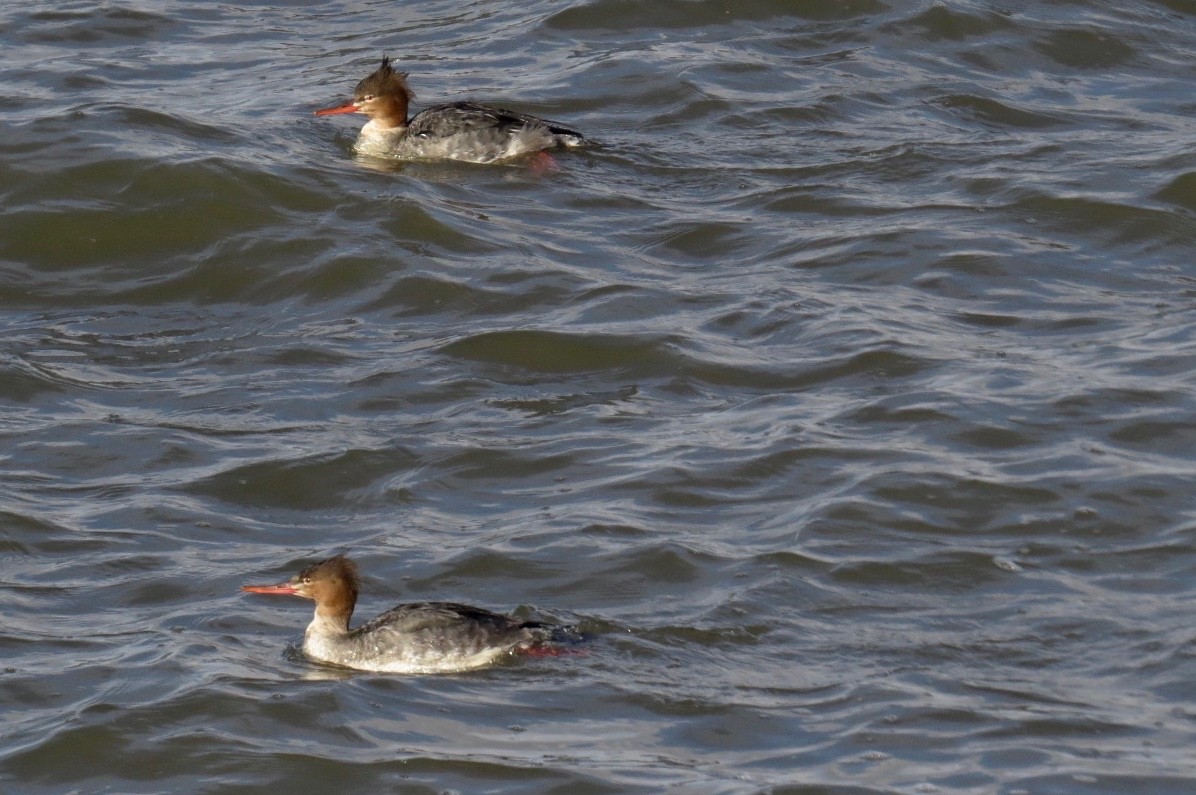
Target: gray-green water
(844, 392)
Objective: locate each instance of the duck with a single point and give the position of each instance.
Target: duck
(463, 131)
(413, 638)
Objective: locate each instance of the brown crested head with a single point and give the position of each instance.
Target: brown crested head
(383, 96)
(383, 82)
(335, 576)
(331, 584)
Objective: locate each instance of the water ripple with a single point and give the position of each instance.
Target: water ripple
(840, 393)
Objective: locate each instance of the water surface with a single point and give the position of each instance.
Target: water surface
(843, 391)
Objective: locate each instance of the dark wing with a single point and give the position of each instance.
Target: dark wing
(449, 625)
(417, 616)
(442, 121)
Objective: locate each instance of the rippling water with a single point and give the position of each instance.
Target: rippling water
(843, 391)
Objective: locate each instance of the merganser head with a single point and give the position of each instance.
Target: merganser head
(383, 96)
(330, 582)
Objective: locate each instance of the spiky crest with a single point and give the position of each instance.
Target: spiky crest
(383, 81)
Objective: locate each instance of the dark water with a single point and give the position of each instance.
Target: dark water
(844, 392)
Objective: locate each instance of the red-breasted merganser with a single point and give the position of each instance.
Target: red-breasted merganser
(421, 637)
(457, 131)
